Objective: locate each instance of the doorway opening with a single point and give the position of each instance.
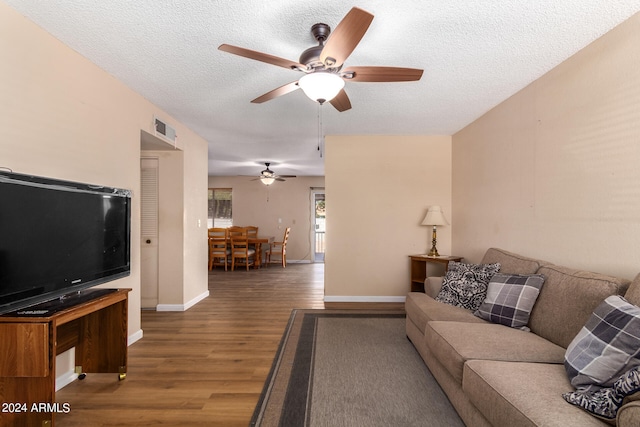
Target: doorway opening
(161, 165)
(318, 213)
(149, 248)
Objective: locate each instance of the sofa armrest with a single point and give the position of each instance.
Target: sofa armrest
(432, 286)
(629, 414)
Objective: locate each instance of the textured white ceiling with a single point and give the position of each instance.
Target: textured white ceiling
(475, 54)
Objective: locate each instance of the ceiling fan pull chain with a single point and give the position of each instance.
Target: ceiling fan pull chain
(320, 130)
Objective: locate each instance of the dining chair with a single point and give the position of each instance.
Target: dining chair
(252, 232)
(279, 249)
(217, 233)
(218, 247)
(236, 228)
(240, 249)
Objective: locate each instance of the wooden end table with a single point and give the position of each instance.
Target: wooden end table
(419, 268)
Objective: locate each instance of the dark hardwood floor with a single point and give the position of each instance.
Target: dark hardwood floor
(205, 366)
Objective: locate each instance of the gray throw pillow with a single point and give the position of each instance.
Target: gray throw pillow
(606, 346)
(510, 299)
(465, 285)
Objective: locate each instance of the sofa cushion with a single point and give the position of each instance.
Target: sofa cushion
(558, 315)
(465, 285)
(510, 299)
(629, 415)
(512, 263)
(421, 308)
(522, 394)
(454, 343)
(432, 286)
(633, 292)
(607, 346)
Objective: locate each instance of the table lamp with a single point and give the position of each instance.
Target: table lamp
(434, 217)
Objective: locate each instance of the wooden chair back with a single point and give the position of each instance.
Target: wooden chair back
(218, 247)
(240, 249)
(236, 231)
(252, 231)
(279, 249)
(217, 233)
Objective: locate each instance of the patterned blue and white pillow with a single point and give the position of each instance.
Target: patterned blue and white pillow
(605, 402)
(602, 403)
(607, 345)
(510, 299)
(465, 285)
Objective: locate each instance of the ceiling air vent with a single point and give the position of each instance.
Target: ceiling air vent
(164, 130)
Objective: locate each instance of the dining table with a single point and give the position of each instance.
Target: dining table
(256, 241)
(259, 241)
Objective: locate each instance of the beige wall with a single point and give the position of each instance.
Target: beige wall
(195, 250)
(378, 189)
(262, 206)
(553, 172)
(182, 249)
(63, 117)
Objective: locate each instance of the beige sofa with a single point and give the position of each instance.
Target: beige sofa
(499, 376)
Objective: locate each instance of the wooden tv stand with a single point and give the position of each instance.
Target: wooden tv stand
(30, 340)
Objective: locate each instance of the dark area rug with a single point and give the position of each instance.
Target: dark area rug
(350, 368)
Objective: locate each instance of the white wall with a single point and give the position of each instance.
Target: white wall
(378, 189)
(553, 172)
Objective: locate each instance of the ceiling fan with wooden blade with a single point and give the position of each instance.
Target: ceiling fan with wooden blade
(268, 176)
(282, 90)
(324, 77)
(259, 56)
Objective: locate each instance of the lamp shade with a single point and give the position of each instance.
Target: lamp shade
(434, 216)
(321, 86)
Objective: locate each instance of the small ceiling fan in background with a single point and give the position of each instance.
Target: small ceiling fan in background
(267, 176)
(324, 78)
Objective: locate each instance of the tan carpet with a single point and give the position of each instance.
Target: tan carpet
(350, 368)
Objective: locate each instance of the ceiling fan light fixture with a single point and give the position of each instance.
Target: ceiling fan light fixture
(267, 180)
(321, 86)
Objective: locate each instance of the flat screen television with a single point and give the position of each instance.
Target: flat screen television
(58, 238)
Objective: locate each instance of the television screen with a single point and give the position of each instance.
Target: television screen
(59, 237)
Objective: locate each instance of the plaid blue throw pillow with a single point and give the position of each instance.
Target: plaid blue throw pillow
(607, 345)
(510, 299)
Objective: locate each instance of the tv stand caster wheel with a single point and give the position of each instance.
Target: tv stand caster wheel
(82, 376)
(122, 376)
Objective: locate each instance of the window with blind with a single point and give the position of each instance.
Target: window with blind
(220, 214)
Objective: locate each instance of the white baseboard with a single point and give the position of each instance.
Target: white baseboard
(137, 335)
(339, 298)
(65, 379)
(65, 368)
(182, 307)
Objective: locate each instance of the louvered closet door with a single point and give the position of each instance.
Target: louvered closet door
(149, 232)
